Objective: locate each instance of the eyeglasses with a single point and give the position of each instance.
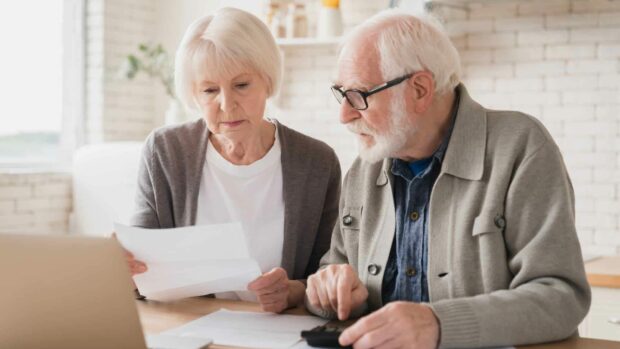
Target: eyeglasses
(357, 98)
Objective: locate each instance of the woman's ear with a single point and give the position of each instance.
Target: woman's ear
(422, 88)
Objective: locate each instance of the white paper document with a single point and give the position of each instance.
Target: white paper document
(190, 261)
(249, 329)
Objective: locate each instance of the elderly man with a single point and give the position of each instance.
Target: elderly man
(456, 223)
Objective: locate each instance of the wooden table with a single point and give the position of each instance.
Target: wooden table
(604, 272)
(157, 317)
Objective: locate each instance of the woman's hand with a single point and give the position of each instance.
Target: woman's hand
(135, 266)
(275, 292)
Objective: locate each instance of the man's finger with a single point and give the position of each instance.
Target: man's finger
(382, 337)
(362, 326)
(343, 289)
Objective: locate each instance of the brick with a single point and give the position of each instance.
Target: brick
(32, 204)
(476, 56)
(543, 7)
(606, 175)
(52, 189)
(591, 66)
(594, 35)
(584, 204)
(575, 82)
(518, 54)
(571, 20)
(480, 84)
(570, 51)
(581, 144)
(594, 5)
(468, 26)
(596, 191)
(485, 70)
(529, 38)
(609, 51)
(569, 113)
(548, 68)
(589, 97)
(609, 19)
(16, 191)
(518, 24)
(606, 112)
(519, 84)
(591, 128)
(609, 237)
(497, 9)
(491, 40)
(523, 98)
(16, 220)
(7, 206)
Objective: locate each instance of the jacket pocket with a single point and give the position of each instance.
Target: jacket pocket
(350, 225)
(351, 218)
(489, 222)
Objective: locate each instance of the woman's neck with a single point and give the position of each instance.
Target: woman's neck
(245, 150)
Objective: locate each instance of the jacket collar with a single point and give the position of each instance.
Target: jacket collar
(466, 150)
(464, 157)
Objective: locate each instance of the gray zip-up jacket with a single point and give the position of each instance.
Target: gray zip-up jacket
(505, 265)
(169, 179)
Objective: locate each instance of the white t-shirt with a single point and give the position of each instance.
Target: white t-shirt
(250, 194)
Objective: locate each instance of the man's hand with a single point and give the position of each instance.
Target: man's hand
(396, 325)
(336, 288)
(275, 292)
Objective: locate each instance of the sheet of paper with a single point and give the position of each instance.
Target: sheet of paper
(190, 261)
(249, 329)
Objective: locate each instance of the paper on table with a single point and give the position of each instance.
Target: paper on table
(190, 261)
(249, 329)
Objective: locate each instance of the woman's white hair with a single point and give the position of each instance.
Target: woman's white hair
(221, 44)
(408, 44)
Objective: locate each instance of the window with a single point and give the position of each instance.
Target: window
(37, 42)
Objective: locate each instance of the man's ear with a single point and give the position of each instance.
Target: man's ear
(422, 89)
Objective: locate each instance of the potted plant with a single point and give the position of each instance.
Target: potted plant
(154, 61)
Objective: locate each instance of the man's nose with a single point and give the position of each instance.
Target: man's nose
(347, 112)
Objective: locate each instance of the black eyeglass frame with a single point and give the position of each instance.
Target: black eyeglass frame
(340, 95)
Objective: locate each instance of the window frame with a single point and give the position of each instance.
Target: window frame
(73, 94)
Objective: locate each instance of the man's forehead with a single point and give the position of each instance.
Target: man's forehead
(358, 65)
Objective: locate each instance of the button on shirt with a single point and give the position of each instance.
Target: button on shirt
(405, 274)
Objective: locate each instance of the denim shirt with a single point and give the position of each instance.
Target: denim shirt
(405, 273)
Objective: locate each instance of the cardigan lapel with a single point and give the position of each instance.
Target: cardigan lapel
(465, 154)
(293, 179)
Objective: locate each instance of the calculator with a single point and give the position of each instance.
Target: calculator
(325, 336)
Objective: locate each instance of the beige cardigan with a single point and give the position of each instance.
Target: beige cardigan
(169, 179)
(505, 265)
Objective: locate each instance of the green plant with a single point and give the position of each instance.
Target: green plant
(155, 62)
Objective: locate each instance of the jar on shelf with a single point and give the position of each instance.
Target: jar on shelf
(330, 19)
(296, 21)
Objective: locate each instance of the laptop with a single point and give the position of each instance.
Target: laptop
(67, 292)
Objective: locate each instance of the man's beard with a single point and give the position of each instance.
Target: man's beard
(390, 142)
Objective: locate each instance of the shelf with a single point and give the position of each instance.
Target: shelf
(283, 42)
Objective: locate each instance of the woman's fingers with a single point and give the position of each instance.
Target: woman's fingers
(269, 281)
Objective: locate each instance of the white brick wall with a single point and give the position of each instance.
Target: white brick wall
(35, 203)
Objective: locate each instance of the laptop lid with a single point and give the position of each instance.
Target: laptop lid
(66, 292)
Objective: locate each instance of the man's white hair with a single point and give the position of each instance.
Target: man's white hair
(408, 43)
(221, 44)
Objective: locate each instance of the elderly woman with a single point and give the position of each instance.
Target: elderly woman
(235, 165)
